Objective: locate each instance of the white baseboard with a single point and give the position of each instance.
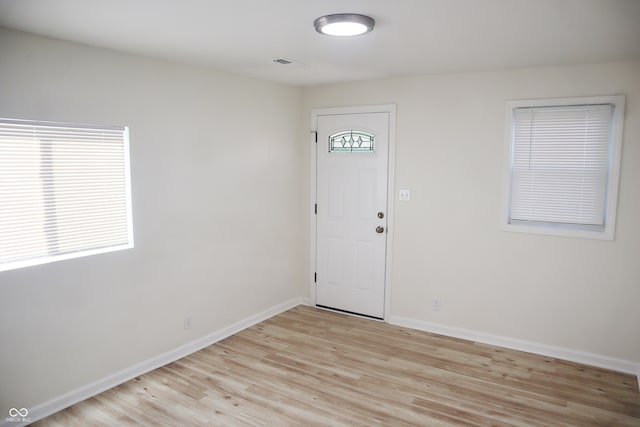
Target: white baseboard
(586, 358)
(56, 404)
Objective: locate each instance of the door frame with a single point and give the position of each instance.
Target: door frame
(361, 109)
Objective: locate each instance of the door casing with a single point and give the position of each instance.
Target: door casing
(383, 108)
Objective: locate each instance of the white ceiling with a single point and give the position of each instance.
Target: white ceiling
(410, 37)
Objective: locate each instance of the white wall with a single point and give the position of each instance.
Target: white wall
(218, 212)
(572, 293)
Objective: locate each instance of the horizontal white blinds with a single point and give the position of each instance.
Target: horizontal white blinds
(560, 163)
(63, 190)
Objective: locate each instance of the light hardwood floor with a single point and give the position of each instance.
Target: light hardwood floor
(310, 367)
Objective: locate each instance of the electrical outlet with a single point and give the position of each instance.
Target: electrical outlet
(405, 195)
(187, 322)
(436, 304)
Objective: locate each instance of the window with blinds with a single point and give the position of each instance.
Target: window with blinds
(563, 168)
(64, 192)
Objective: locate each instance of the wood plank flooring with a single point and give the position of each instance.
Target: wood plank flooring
(309, 367)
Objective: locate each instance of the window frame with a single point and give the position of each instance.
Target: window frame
(17, 264)
(613, 175)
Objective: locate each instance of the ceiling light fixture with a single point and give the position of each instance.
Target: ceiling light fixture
(344, 24)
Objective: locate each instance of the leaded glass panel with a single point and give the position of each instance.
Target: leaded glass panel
(352, 141)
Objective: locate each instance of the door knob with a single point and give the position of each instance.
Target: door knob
(379, 229)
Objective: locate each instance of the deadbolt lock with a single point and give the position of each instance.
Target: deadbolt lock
(380, 215)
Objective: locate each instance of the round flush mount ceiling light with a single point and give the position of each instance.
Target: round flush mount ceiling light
(344, 24)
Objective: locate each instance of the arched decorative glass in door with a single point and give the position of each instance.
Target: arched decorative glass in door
(352, 141)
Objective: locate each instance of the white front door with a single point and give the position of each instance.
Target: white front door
(351, 234)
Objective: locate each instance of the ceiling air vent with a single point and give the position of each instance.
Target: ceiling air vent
(282, 61)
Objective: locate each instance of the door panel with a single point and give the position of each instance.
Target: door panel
(335, 270)
(367, 193)
(364, 266)
(351, 190)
